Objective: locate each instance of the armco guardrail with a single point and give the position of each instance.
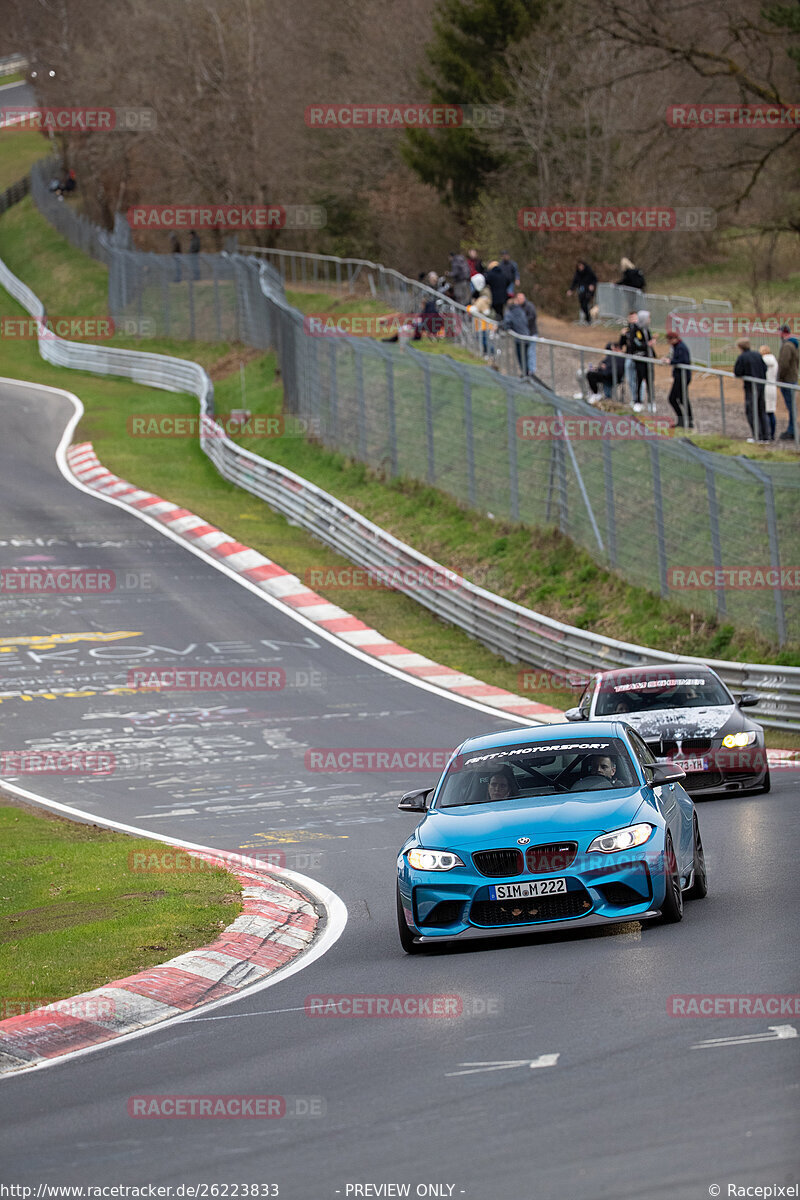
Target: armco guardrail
(516, 633)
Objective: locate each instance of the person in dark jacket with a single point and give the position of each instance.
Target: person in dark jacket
(516, 320)
(680, 358)
(584, 282)
(751, 363)
(175, 247)
(788, 363)
(460, 278)
(632, 277)
(496, 283)
(510, 273)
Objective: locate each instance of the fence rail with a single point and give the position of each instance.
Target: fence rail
(516, 633)
(14, 193)
(561, 365)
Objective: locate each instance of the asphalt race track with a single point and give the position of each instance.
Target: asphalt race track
(629, 1106)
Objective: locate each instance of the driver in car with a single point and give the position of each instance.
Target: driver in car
(599, 770)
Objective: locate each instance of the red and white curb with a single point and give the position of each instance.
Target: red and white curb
(291, 591)
(277, 924)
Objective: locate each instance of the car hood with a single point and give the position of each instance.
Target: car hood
(540, 819)
(676, 723)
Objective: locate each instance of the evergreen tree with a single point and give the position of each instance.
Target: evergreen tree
(466, 55)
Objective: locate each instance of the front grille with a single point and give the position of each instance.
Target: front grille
(621, 896)
(498, 862)
(528, 912)
(702, 779)
(669, 747)
(446, 912)
(557, 856)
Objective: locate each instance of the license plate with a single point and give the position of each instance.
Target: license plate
(690, 764)
(522, 891)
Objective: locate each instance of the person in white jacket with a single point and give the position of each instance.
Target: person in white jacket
(771, 389)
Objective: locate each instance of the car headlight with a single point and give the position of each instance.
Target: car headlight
(732, 740)
(433, 860)
(622, 839)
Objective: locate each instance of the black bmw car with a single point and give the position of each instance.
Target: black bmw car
(688, 717)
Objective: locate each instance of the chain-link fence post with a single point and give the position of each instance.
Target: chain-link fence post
(429, 424)
(658, 512)
(513, 475)
(611, 516)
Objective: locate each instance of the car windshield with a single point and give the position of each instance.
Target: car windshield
(539, 769)
(634, 693)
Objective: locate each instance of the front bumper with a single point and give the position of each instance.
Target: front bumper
(601, 889)
(728, 771)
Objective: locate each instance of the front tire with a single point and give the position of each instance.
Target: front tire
(699, 888)
(672, 908)
(406, 936)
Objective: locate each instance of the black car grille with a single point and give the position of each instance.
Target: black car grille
(557, 856)
(446, 912)
(621, 896)
(498, 862)
(528, 912)
(668, 748)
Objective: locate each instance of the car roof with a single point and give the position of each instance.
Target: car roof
(653, 671)
(573, 730)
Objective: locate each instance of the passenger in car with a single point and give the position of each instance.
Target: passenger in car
(502, 785)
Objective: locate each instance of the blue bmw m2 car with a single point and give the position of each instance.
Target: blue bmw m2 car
(548, 828)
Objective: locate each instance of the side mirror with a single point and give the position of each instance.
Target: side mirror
(574, 714)
(663, 773)
(746, 700)
(415, 801)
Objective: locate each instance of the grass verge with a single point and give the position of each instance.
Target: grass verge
(74, 915)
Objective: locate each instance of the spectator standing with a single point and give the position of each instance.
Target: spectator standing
(495, 281)
(460, 278)
(632, 277)
(679, 392)
(751, 363)
(194, 248)
(480, 308)
(510, 273)
(529, 309)
(175, 247)
(634, 342)
(788, 362)
(645, 370)
(771, 390)
(584, 282)
(517, 322)
(474, 263)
